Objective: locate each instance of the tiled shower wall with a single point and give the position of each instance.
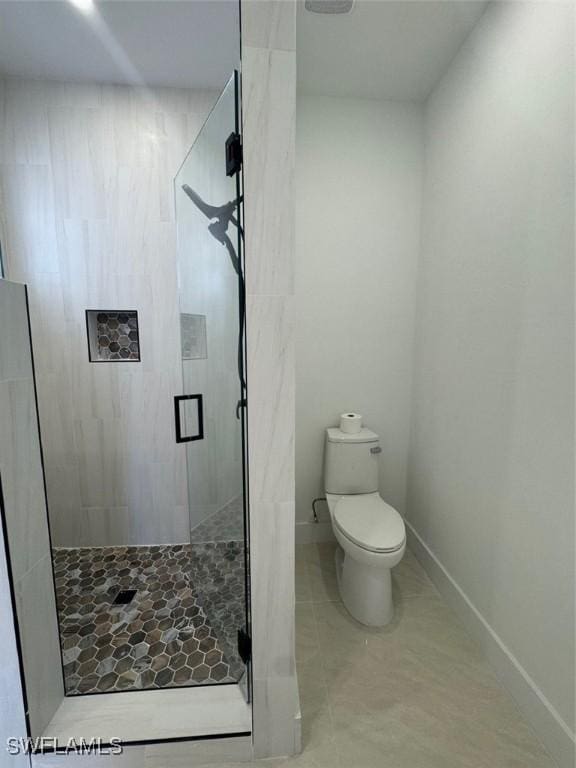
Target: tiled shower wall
(86, 179)
(269, 110)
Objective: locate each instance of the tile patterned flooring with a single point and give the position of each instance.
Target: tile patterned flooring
(218, 567)
(227, 524)
(416, 694)
(218, 570)
(165, 636)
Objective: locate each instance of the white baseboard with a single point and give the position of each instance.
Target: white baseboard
(549, 726)
(308, 533)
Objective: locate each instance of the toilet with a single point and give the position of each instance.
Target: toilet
(370, 532)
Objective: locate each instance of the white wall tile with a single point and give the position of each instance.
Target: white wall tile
(28, 199)
(24, 136)
(12, 720)
(66, 518)
(270, 329)
(100, 526)
(22, 479)
(36, 607)
(269, 109)
(15, 362)
(270, 24)
(272, 553)
(268, 94)
(87, 184)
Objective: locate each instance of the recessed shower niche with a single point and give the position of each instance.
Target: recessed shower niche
(113, 336)
(193, 334)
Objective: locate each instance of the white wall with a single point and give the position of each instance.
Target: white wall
(491, 490)
(358, 195)
(86, 174)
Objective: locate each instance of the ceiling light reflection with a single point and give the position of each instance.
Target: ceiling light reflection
(86, 6)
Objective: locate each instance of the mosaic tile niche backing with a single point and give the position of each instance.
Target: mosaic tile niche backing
(178, 630)
(113, 336)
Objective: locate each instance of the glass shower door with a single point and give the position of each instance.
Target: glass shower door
(210, 411)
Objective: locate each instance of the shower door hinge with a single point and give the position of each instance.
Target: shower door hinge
(244, 646)
(233, 154)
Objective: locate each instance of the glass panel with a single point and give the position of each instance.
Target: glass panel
(211, 322)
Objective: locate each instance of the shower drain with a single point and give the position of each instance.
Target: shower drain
(124, 597)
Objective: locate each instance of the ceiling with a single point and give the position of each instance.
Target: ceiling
(186, 43)
(383, 49)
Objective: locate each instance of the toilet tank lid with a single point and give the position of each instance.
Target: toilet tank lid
(335, 435)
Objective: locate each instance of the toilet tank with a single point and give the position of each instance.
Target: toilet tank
(351, 461)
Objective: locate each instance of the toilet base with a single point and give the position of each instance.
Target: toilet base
(366, 591)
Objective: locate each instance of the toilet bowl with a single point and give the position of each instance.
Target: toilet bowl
(370, 533)
(372, 541)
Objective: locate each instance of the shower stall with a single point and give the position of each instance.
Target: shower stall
(138, 597)
(175, 614)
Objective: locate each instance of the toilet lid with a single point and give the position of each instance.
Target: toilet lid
(368, 521)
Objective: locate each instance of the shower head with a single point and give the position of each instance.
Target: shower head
(329, 6)
(221, 216)
(210, 211)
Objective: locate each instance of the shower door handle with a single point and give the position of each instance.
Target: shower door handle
(178, 400)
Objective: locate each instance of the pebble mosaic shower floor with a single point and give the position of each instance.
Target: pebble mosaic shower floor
(179, 629)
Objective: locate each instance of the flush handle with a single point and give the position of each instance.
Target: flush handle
(376, 449)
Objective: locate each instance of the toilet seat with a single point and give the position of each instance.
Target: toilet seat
(370, 523)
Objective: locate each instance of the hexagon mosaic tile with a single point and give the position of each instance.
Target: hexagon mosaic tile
(116, 335)
(218, 569)
(163, 636)
(226, 524)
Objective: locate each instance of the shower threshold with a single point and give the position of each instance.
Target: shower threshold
(143, 717)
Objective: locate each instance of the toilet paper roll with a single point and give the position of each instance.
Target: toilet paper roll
(351, 423)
